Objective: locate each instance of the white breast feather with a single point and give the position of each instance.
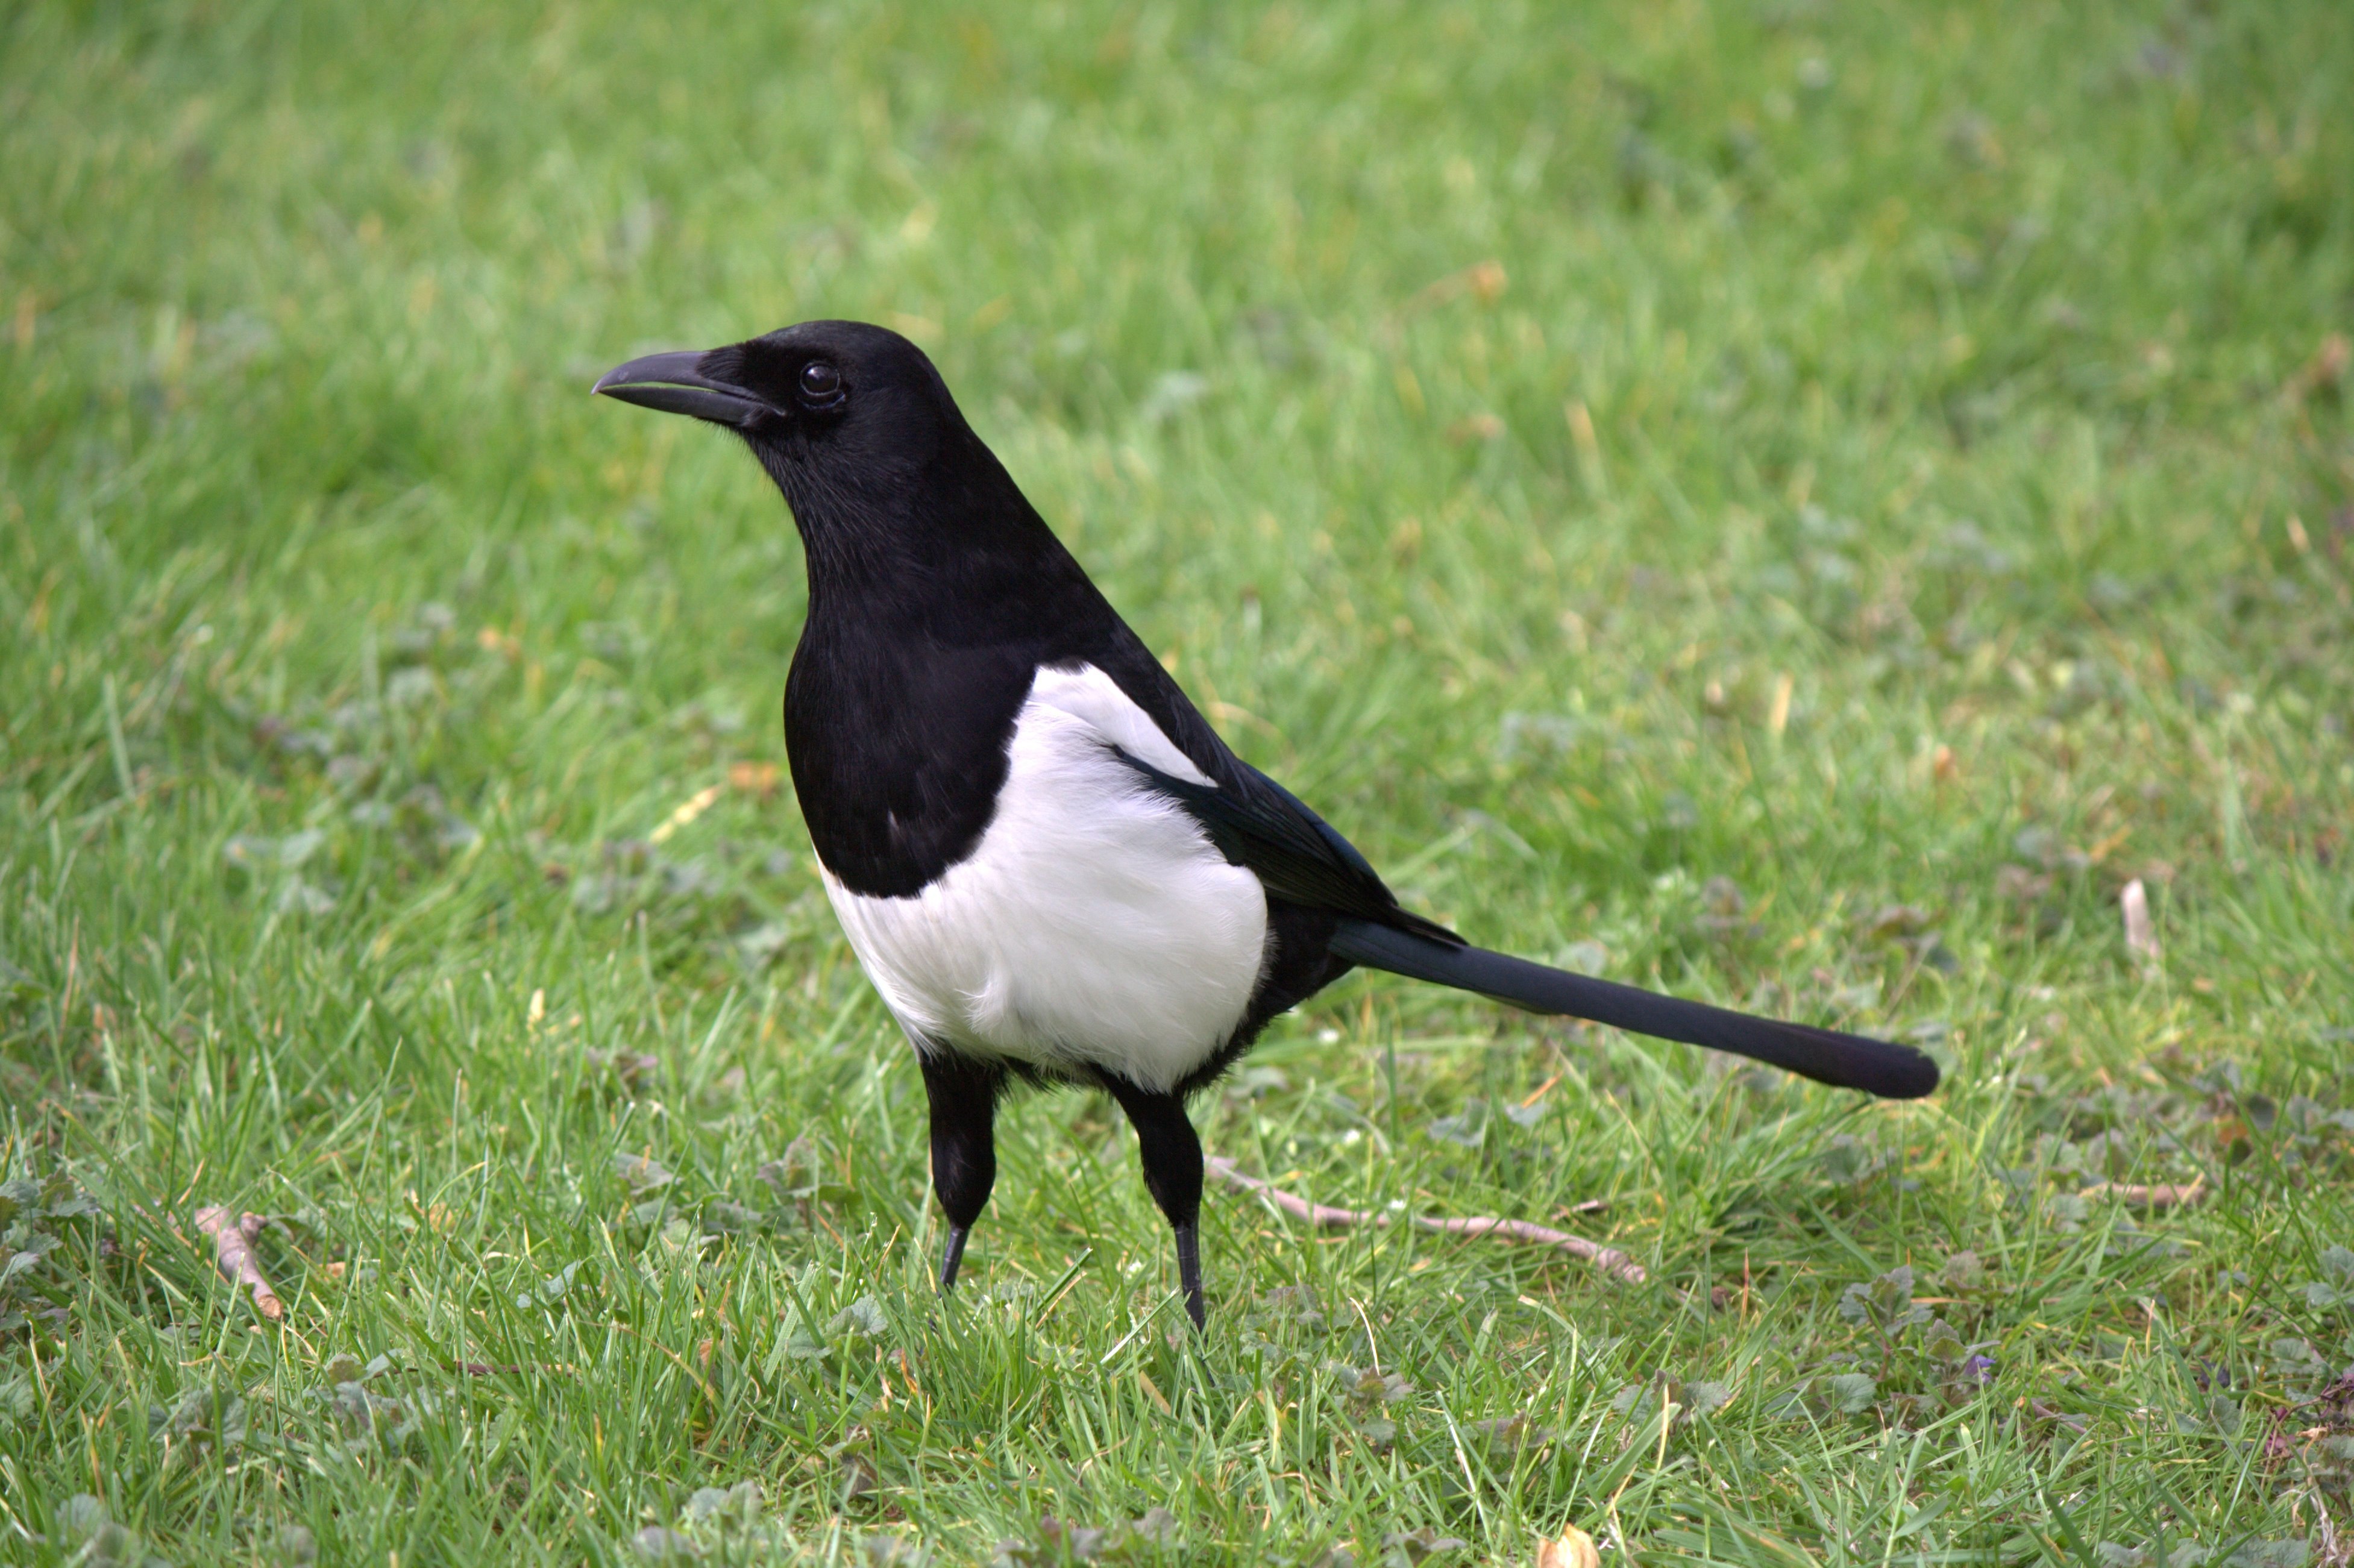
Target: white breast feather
(1094, 924)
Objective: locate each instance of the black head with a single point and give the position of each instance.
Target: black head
(836, 397)
(859, 431)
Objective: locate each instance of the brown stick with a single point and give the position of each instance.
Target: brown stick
(1298, 1208)
(1610, 1260)
(2165, 1196)
(233, 1242)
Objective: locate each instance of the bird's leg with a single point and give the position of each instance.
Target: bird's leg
(952, 1255)
(963, 1095)
(1172, 1175)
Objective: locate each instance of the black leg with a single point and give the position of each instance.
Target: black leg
(1172, 1175)
(1189, 1271)
(963, 1095)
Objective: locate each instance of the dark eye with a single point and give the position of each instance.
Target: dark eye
(821, 382)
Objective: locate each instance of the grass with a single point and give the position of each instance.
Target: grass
(1794, 503)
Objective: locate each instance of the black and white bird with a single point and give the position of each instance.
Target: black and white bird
(1048, 864)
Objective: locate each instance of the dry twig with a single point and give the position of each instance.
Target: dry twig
(1610, 1260)
(2163, 1196)
(233, 1255)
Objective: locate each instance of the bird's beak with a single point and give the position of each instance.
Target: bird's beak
(671, 383)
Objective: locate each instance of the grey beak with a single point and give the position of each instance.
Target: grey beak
(671, 383)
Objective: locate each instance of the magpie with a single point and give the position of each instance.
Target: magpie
(1050, 867)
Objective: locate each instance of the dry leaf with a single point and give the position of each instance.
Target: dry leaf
(1778, 715)
(2325, 371)
(694, 806)
(1483, 281)
(1574, 1548)
(754, 778)
(2141, 936)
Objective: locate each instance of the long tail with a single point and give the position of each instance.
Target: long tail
(1846, 1061)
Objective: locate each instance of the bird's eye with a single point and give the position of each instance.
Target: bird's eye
(821, 382)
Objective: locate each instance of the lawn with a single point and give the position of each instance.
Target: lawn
(1800, 505)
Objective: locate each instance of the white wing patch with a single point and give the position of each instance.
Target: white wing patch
(1088, 693)
(1095, 925)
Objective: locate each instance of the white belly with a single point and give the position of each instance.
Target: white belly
(1094, 926)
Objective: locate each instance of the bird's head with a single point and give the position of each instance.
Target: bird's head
(840, 413)
(899, 503)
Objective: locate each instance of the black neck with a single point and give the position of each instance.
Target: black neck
(934, 597)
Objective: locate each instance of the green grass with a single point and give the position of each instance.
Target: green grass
(1890, 490)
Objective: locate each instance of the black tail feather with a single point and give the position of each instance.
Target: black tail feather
(1845, 1061)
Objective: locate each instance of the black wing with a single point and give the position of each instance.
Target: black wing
(1257, 823)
